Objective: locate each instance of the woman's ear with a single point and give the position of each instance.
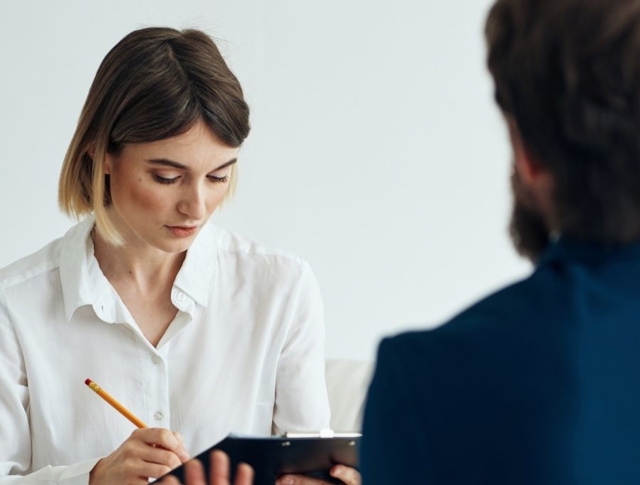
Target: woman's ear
(91, 150)
(108, 162)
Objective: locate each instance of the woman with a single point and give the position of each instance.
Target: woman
(191, 327)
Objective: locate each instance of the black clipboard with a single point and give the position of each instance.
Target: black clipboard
(273, 456)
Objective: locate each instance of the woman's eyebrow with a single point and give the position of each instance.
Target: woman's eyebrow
(164, 162)
(226, 164)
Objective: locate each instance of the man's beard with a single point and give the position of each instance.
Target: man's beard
(528, 229)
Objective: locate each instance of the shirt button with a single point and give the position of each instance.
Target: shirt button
(182, 296)
(156, 359)
(158, 416)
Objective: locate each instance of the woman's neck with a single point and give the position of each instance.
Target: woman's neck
(139, 266)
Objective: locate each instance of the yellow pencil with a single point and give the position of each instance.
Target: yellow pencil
(119, 407)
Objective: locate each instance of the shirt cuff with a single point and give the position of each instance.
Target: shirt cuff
(78, 474)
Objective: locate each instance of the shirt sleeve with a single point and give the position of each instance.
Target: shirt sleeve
(390, 451)
(301, 401)
(15, 433)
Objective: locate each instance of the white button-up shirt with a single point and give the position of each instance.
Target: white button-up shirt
(244, 354)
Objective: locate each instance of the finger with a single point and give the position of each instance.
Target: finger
(194, 473)
(178, 436)
(163, 438)
(182, 453)
(159, 456)
(299, 480)
(219, 474)
(153, 470)
(170, 480)
(348, 475)
(244, 475)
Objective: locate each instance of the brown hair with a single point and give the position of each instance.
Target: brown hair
(568, 73)
(154, 84)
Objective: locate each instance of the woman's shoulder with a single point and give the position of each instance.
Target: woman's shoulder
(247, 251)
(39, 262)
(43, 260)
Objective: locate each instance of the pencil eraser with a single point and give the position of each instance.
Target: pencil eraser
(87, 382)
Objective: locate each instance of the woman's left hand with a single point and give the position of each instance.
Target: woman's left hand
(194, 472)
(348, 475)
(220, 474)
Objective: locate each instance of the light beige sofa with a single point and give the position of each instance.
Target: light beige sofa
(347, 384)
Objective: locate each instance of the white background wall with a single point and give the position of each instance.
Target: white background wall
(376, 151)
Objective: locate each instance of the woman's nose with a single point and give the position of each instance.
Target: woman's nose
(192, 203)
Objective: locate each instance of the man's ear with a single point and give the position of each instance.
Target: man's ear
(531, 172)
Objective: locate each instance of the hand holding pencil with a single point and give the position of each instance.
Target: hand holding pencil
(147, 453)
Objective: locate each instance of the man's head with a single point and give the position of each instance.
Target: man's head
(567, 78)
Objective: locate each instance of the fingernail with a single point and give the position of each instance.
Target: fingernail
(285, 481)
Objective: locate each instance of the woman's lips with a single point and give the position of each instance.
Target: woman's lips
(182, 231)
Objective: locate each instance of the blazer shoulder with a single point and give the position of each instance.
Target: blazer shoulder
(489, 329)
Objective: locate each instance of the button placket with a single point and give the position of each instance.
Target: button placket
(157, 388)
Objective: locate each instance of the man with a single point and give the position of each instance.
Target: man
(540, 382)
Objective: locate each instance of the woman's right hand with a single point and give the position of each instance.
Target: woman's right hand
(147, 453)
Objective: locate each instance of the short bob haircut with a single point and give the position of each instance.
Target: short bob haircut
(154, 84)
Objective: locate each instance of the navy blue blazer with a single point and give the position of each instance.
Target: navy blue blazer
(537, 384)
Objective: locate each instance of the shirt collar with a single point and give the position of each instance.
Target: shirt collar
(76, 255)
(564, 249)
(83, 283)
(199, 268)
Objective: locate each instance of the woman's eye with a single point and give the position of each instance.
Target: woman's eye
(218, 180)
(164, 180)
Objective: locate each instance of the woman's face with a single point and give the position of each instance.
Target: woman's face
(164, 191)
